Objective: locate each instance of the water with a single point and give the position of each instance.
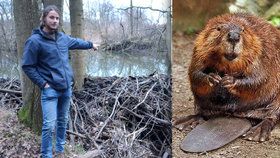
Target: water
(104, 64)
(120, 64)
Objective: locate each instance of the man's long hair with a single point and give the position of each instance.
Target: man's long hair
(46, 12)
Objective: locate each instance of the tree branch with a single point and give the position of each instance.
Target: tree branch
(10, 91)
(150, 8)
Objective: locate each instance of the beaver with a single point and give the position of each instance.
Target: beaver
(235, 71)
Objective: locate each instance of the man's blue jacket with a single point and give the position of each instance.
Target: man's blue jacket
(46, 60)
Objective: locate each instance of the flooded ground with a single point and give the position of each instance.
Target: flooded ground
(104, 64)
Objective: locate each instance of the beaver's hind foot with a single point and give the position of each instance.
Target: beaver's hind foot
(187, 122)
(261, 132)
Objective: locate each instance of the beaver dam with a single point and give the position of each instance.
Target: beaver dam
(115, 116)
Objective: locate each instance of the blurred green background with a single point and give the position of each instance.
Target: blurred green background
(189, 16)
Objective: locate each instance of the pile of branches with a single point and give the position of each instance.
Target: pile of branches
(114, 116)
(10, 94)
(127, 45)
(124, 117)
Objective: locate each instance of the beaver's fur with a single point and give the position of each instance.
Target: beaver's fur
(235, 70)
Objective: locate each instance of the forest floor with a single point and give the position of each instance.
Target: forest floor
(18, 141)
(182, 104)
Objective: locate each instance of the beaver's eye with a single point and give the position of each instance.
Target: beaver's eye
(218, 28)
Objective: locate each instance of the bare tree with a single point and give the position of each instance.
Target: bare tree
(168, 36)
(26, 15)
(77, 56)
(131, 18)
(7, 39)
(105, 19)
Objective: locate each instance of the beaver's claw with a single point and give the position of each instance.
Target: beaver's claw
(214, 79)
(187, 122)
(260, 132)
(229, 82)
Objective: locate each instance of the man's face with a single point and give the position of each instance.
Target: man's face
(52, 21)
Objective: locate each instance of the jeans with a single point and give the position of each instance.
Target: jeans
(55, 108)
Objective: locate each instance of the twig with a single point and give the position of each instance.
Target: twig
(77, 134)
(110, 117)
(150, 8)
(159, 120)
(10, 91)
(144, 97)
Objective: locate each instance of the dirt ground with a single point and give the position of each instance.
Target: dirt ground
(19, 141)
(182, 104)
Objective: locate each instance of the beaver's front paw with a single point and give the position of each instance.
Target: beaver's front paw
(229, 82)
(260, 132)
(214, 79)
(187, 122)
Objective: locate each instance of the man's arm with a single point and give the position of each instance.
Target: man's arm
(77, 43)
(29, 63)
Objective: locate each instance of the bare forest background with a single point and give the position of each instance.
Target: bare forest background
(190, 16)
(121, 104)
(135, 40)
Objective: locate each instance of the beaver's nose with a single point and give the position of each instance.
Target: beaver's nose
(233, 36)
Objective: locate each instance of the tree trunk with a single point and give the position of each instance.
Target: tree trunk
(131, 18)
(168, 36)
(77, 56)
(26, 14)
